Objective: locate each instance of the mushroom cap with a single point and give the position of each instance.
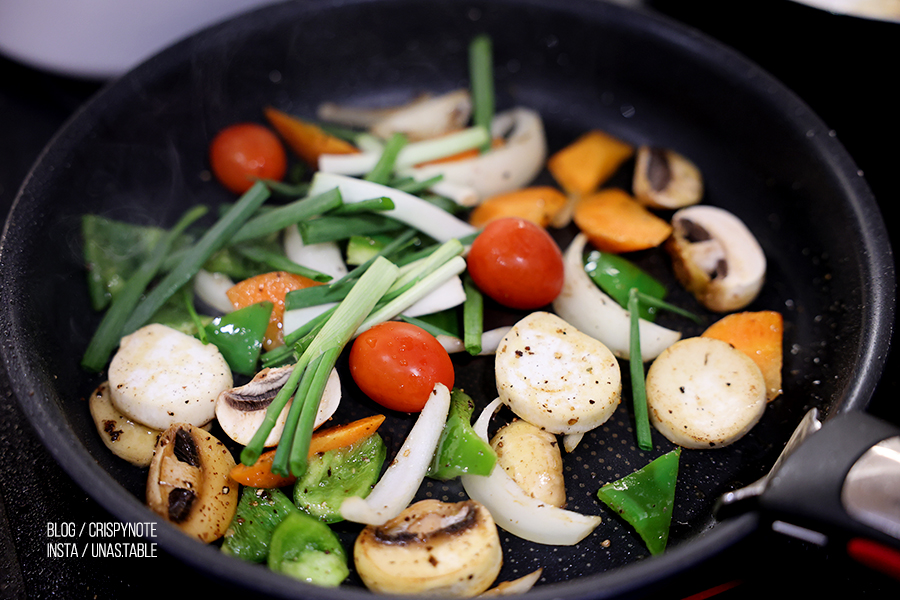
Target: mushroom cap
(127, 439)
(716, 257)
(240, 411)
(189, 482)
(431, 548)
(665, 179)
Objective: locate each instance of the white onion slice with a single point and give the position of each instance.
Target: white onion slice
(489, 341)
(412, 210)
(517, 512)
(503, 169)
(398, 486)
(571, 441)
(592, 312)
(514, 587)
(294, 318)
(211, 288)
(325, 257)
(447, 295)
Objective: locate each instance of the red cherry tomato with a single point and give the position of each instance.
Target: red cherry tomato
(397, 364)
(243, 151)
(516, 263)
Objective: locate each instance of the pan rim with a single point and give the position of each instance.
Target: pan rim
(91, 477)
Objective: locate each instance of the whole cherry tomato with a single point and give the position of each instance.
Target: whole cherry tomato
(516, 263)
(397, 364)
(239, 153)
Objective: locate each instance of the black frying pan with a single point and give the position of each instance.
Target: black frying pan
(137, 151)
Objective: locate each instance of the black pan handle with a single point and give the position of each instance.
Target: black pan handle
(841, 487)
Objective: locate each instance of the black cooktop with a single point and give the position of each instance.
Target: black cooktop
(832, 62)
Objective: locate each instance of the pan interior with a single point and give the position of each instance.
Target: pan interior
(138, 152)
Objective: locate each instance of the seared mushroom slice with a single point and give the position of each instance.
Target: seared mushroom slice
(423, 118)
(716, 257)
(189, 483)
(241, 410)
(665, 179)
(432, 548)
(531, 457)
(126, 438)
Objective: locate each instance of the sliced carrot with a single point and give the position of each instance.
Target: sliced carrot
(273, 287)
(307, 140)
(260, 475)
(538, 204)
(588, 162)
(344, 435)
(464, 155)
(615, 222)
(759, 335)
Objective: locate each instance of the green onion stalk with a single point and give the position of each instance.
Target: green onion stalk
(307, 380)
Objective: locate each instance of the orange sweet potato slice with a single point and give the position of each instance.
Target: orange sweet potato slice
(538, 204)
(759, 335)
(588, 162)
(615, 222)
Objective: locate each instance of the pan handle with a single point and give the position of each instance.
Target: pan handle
(841, 487)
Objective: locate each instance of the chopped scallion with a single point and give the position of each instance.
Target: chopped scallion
(112, 325)
(481, 81)
(473, 317)
(636, 365)
(215, 238)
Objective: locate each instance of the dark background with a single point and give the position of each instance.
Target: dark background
(844, 68)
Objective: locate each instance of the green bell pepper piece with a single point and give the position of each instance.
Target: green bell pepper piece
(337, 474)
(113, 250)
(259, 512)
(645, 499)
(460, 450)
(616, 275)
(307, 549)
(238, 335)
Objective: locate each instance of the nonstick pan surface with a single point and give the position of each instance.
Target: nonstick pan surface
(137, 152)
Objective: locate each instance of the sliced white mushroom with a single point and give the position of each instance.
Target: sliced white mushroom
(587, 308)
(188, 483)
(665, 179)
(556, 377)
(126, 438)
(716, 257)
(704, 393)
(161, 376)
(240, 411)
(432, 548)
(531, 457)
(423, 118)
(509, 167)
